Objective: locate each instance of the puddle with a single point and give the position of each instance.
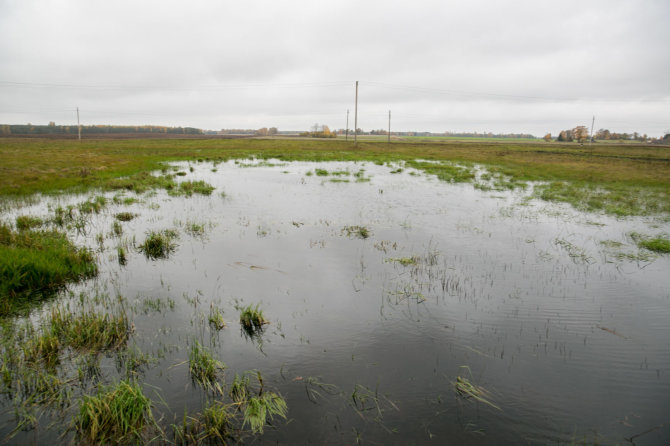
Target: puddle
(367, 334)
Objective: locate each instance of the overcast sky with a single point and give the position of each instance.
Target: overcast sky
(501, 66)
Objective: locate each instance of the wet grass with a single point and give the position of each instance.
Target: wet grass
(24, 222)
(117, 414)
(252, 318)
(188, 188)
(356, 231)
(204, 368)
(38, 261)
(91, 330)
(124, 216)
(215, 319)
(659, 244)
(159, 244)
(465, 388)
(601, 178)
(261, 409)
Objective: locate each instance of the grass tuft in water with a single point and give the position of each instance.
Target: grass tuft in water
(38, 261)
(24, 222)
(213, 426)
(252, 319)
(356, 231)
(261, 409)
(204, 368)
(188, 188)
(216, 318)
(90, 330)
(159, 244)
(124, 216)
(659, 244)
(466, 389)
(117, 414)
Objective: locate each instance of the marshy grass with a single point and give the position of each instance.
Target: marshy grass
(159, 244)
(204, 368)
(213, 426)
(261, 409)
(24, 222)
(356, 231)
(466, 389)
(92, 206)
(188, 188)
(659, 244)
(216, 320)
(252, 318)
(117, 229)
(117, 414)
(43, 261)
(124, 216)
(90, 330)
(404, 261)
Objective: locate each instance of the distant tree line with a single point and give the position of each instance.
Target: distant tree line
(320, 131)
(581, 134)
(53, 129)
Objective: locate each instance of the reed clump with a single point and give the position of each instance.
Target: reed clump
(252, 318)
(117, 414)
(159, 244)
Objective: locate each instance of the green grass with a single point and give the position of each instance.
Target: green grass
(261, 409)
(24, 222)
(356, 231)
(216, 318)
(124, 216)
(659, 244)
(38, 261)
(91, 330)
(117, 414)
(615, 171)
(188, 188)
(159, 244)
(252, 318)
(204, 368)
(466, 389)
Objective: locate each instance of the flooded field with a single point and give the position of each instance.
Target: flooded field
(398, 309)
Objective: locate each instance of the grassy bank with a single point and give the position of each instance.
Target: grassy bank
(602, 177)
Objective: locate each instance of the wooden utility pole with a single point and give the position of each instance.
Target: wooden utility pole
(78, 125)
(593, 121)
(346, 135)
(389, 141)
(356, 117)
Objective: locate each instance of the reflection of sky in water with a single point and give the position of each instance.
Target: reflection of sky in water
(565, 337)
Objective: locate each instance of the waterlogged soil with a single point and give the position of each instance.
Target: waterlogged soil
(556, 317)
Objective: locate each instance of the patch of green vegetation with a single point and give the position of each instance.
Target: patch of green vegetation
(404, 261)
(24, 222)
(92, 206)
(261, 408)
(576, 253)
(159, 244)
(321, 172)
(339, 180)
(204, 368)
(252, 318)
(38, 261)
(121, 255)
(117, 414)
(188, 188)
(90, 330)
(125, 216)
(356, 231)
(213, 426)
(445, 171)
(117, 229)
(195, 229)
(140, 182)
(659, 244)
(216, 317)
(181, 173)
(466, 389)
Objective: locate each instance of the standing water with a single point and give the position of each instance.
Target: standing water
(401, 309)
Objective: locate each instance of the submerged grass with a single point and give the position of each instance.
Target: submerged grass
(90, 330)
(356, 231)
(117, 414)
(204, 368)
(659, 244)
(466, 389)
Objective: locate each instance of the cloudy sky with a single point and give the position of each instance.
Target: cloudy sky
(501, 66)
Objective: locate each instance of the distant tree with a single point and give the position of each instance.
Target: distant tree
(273, 131)
(580, 133)
(565, 136)
(547, 137)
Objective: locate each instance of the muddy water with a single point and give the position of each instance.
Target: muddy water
(568, 339)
